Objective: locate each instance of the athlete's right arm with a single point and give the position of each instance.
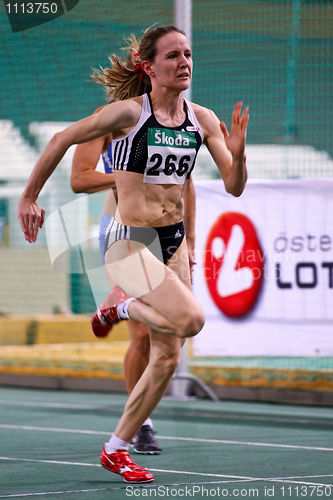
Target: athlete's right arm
(84, 177)
(113, 118)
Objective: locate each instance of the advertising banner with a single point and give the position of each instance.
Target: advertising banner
(264, 272)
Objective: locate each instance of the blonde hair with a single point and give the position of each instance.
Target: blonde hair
(125, 79)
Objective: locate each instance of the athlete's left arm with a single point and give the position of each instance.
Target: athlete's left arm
(189, 221)
(227, 149)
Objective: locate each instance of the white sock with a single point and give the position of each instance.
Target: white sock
(115, 443)
(122, 308)
(148, 422)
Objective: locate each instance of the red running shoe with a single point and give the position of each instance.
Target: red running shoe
(106, 315)
(103, 320)
(121, 463)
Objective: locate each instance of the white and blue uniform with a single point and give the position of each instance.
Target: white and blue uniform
(106, 219)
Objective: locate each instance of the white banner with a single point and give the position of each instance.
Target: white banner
(265, 269)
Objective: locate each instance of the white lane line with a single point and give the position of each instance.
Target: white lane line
(60, 462)
(300, 482)
(35, 494)
(207, 474)
(154, 486)
(40, 404)
(53, 429)
(248, 443)
(241, 479)
(303, 477)
(263, 418)
(134, 486)
(289, 479)
(174, 438)
(262, 479)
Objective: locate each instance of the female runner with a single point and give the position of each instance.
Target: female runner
(156, 137)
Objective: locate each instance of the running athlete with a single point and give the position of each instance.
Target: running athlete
(156, 137)
(86, 179)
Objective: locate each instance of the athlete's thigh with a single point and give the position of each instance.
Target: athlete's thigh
(142, 275)
(173, 297)
(179, 264)
(134, 267)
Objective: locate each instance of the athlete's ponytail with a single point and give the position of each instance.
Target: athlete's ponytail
(125, 79)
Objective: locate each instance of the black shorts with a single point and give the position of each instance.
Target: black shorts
(161, 241)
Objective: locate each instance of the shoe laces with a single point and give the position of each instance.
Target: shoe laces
(126, 459)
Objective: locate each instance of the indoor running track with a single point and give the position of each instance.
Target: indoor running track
(50, 442)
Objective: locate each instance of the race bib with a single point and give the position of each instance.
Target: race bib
(171, 155)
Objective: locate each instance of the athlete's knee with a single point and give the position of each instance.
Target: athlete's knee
(191, 323)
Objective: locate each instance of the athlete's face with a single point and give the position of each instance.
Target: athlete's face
(172, 66)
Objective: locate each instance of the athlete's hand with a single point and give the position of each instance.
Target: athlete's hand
(31, 217)
(235, 141)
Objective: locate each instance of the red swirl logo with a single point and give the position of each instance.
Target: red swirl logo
(234, 264)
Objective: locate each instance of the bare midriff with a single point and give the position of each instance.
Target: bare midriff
(141, 204)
